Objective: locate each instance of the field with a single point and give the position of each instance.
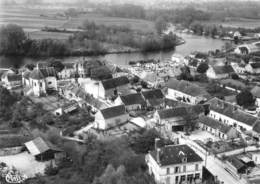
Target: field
(241, 22)
(32, 20)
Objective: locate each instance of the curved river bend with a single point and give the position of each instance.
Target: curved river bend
(192, 43)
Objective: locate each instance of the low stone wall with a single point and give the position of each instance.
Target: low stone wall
(11, 151)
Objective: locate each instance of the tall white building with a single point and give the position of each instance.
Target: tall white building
(174, 164)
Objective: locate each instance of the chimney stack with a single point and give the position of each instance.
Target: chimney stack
(156, 143)
(158, 155)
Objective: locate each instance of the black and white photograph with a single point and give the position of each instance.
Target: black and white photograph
(129, 91)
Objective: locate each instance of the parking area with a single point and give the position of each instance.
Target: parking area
(25, 163)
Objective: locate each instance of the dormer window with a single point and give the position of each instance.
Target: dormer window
(184, 159)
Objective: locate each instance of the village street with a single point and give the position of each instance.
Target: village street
(214, 165)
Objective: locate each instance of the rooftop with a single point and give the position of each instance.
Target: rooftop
(174, 154)
(153, 94)
(223, 69)
(134, 98)
(115, 82)
(114, 111)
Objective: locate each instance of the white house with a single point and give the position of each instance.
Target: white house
(239, 68)
(231, 115)
(248, 48)
(132, 102)
(40, 81)
(11, 79)
(69, 71)
(186, 92)
(255, 157)
(253, 68)
(219, 72)
(174, 164)
(111, 117)
(218, 129)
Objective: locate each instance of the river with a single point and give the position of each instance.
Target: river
(192, 43)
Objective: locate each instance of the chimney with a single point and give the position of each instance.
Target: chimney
(158, 155)
(156, 143)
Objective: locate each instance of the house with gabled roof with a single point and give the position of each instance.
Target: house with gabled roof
(186, 91)
(219, 72)
(40, 80)
(11, 80)
(253, 68)
(231, 115)
(176, 119)
(218, 129)
(132, 102)
(111, 117)
(154, 98)
(84, 67)
(174, 164)
(111, 87)
(43, 150)
(68, 72)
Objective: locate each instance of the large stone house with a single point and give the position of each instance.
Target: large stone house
(40, 80)
(218, 129)
(132, 102)
(174, 164)
(219, 72)
(186, 92)
(111, 117)
(231, 115)
(154, 98)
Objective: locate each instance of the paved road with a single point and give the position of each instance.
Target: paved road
(215, 166)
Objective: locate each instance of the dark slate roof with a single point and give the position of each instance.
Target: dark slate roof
(210, 122)
(115, 82)
(153, 94)
(174, 154)
(14, 77)
(193, 110)
(256, 91)
(26, 74)
(255, 65)
(236, 162)
(231, 111)
(113, 111)
(101, 73)
(187, 87)
(223, 69)
(41, 73)
(131, 99)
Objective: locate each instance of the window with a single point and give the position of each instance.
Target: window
(183, 178)
(197, 175)
(40, 84)
(184, 168)
(197, 167)
(168, 171)
(190, 177)
(49, 82)
(176, 179)
(176, 170)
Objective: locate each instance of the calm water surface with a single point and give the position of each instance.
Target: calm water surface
(192, 43)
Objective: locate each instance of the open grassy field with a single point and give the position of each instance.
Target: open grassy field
(32, 20)
(137, 24)
(238, 22)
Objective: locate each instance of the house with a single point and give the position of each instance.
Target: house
(256, 93)
(152, 78)
(219, 72)
(111, 87)
(111, 117)
(43, 150)
(72, 92)
(154, 98)
(231, 115)
(67, 107)
(186, 92)
(174, 164)
(68, 72)
(239, 68)
(40, 81)
(248, 48)
(253, 68)
(235, 165)
(132, 102)
(232, 85)
(84, 67)
(11, 80)
(175, 119)
(218, 129)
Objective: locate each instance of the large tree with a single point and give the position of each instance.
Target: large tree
(12, 38)
(202, 68)
(7, 100)
(245, 98)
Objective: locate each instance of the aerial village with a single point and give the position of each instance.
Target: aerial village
(201, 103)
